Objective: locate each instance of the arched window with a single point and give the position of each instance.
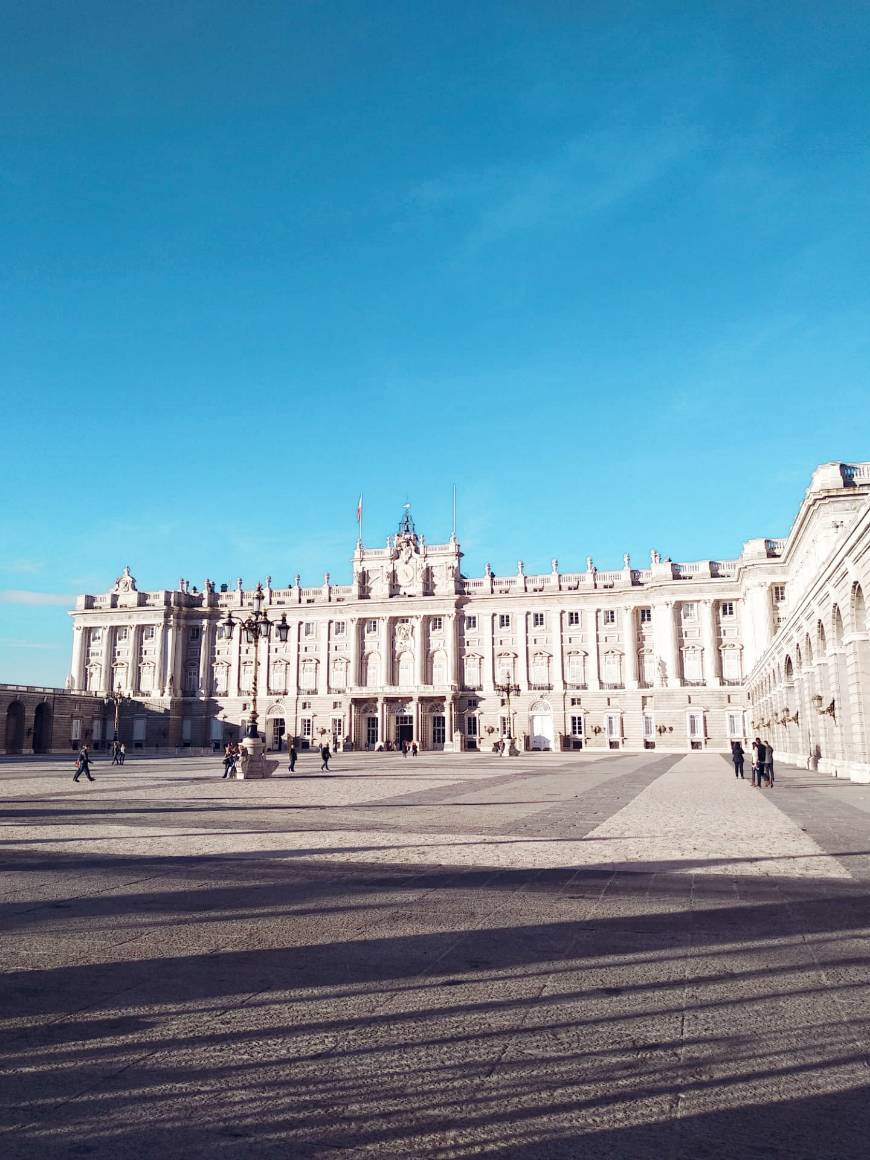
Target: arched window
(406, 670)
(439, 668)
(859, 611)
(837, 627)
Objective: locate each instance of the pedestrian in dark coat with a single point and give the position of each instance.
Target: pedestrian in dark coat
(757, 762)
(293, 755)
(229, 761)
(737, 758)
(768, 763)
(83, 765)
(325, 756)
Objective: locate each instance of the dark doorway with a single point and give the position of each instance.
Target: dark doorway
(404, 730)
(42, 728)
(15, 727)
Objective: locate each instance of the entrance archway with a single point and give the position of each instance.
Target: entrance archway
(541, 732)
(42, 728)
(15, 727)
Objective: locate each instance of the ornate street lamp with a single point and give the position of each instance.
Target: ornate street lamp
(117, 699)
(256, 627)
(507, 689)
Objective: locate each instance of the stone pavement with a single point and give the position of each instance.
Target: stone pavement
(569, 955)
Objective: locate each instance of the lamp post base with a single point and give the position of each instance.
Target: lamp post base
(252, 763)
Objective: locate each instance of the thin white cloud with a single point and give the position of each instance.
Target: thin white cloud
(25, 565)
(586, 176)
(26, 596)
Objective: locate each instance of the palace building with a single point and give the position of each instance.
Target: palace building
(673, 656)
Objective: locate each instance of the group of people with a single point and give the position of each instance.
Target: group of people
(409, 747)
(119, 752)
(231, 756)
(762, 762)
(325, 754)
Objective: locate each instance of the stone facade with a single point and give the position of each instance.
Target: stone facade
(661, 657)
(810, 690)
(42, 720)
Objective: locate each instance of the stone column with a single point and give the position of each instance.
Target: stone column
(293, 659)
(159, 658)
(450, 634)
(382, 721)
(77, 671)
(323, 669)
(422, 650)
(489, 675)
(709, 639)
(235, 660)
(558, 662)
(180, 638)
(205, 658)
(354, 627)
(523, 649)
(593, 675)
(106, 658)
(629, 644)
(416, 712)
(386, 652)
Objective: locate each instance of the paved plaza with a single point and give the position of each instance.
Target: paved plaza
(578, 955)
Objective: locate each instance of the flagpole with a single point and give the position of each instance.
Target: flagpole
(454, 511)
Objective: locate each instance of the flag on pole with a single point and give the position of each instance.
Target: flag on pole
(359, 510)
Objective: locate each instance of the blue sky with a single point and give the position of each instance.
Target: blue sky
(604, 265)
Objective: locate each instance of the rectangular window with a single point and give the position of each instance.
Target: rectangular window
(75, 729)
(473, 703)
(371, 732)
(371, 627)
(504, 620)
(726, 608)
(194, 634)
(576, 701)
(695, 725)
(96, 635)
(613, 726)
(537, 620)
(306, 704)
(308, 628)
(186, 730)
(735, 726)
(439, 731)
(148, 632)
(573, 619)
(121, 634)
(504, 726)
(576, 726)
(779, 593)
(436, 623)
(649, 727)
(690, 611)
(306, 727)
(646, 616)
(139, 725)
(471, 725)
(338, 628)
(470, 623)
(609, 616)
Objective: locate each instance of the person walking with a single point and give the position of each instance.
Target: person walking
(404, 749)
(768, 762)
(116, 753)
(83, 765)
(293, 756)
(229, 761)
(325, 756)
(737, 758)
(757, 762)
(122, 753)
(414, 748)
